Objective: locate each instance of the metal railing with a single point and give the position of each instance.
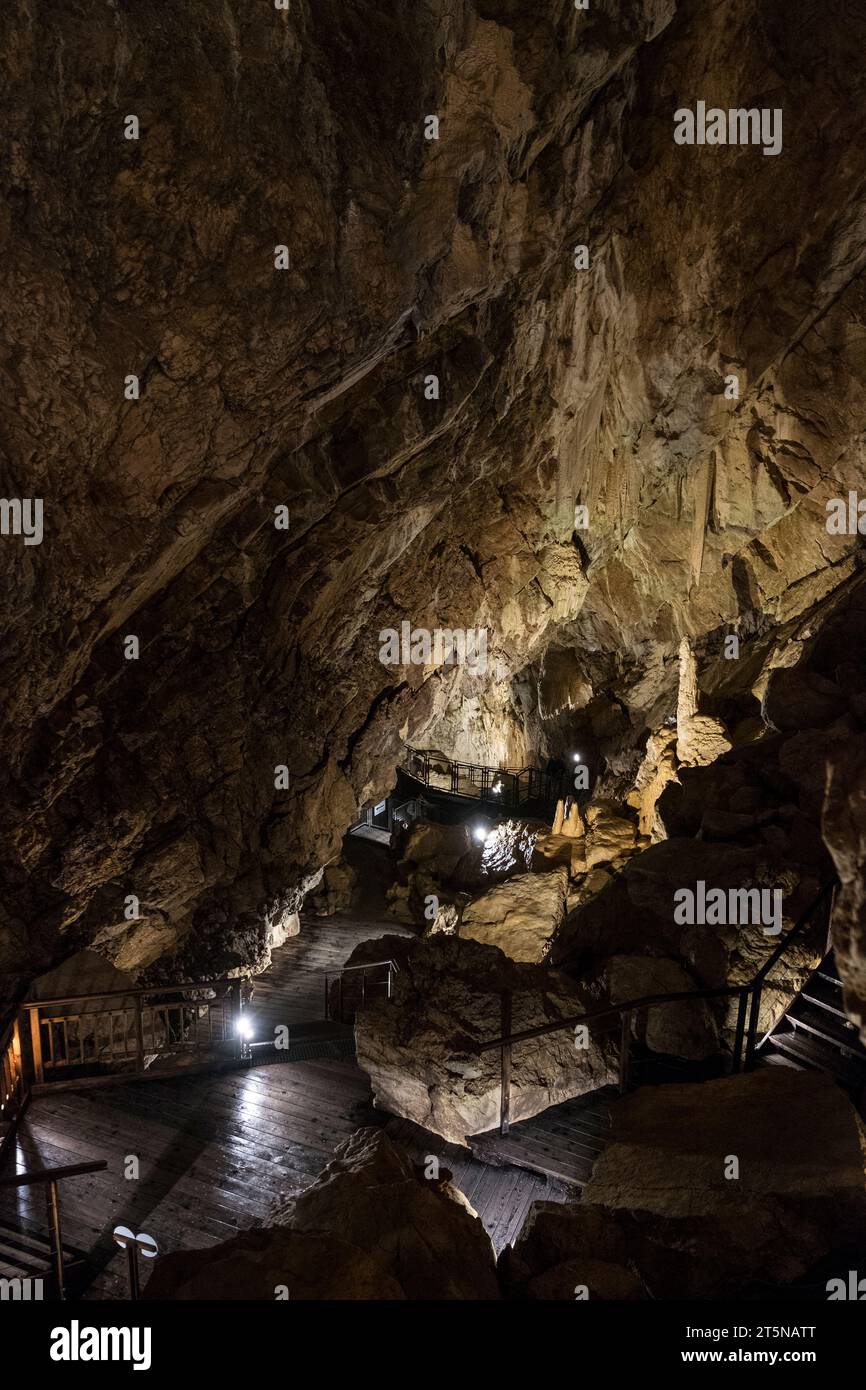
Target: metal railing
(500, 787)
(748, 997)
(51, 1177)
(115, 1035)
(360, 971)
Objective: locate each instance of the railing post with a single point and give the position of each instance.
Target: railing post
(830, 905)
(505, 1064)
(53, 1202)
(624, 1050)
(751, 1037)
(739, 1035)
(36, 1045)
(327, 1000)
(139, 1031)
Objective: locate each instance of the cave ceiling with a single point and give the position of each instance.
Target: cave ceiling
(306, 388)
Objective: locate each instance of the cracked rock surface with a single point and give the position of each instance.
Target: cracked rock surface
(304, 388)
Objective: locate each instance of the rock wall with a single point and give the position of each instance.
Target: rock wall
(303, 388)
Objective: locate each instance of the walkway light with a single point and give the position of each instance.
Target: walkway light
(480, 833)
(244, 1028)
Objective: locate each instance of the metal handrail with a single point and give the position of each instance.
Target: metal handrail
(329, 975)
(369, 965)
(52, 1176)
(475, 767)
(744, 1033)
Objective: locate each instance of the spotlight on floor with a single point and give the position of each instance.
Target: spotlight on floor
(576, 757)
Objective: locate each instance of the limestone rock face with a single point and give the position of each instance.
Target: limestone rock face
(336, 891)
(700, 738)
(520, 916)
(283, 490)
(437, 848)
(686, 1029)
(660, 1219)
(636, 914)
(420, 1049)
(370, 1227)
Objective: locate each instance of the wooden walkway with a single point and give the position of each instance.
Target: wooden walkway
(562, 1142)
(213, 1152)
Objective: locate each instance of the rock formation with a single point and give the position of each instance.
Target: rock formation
(284, 483)
(766, 1178)
(520, 916)
(372, 1226)
(421, 1048)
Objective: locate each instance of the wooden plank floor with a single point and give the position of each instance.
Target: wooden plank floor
(215, 1151)
(501, 1196)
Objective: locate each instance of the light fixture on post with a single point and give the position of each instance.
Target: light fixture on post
(244, 1030)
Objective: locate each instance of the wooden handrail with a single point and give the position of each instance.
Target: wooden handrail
(38, 1175)
(123, 993)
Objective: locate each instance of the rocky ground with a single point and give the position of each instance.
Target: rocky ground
(767, 1172)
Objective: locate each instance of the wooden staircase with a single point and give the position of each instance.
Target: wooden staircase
(815, 1033)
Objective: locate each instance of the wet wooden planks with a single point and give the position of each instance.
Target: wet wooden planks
(501, 1196)
(562, 1143)
(213, 1154)
(292, 991)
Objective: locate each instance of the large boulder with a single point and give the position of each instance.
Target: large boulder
(437, 849)
(421, 1048)
(336, 891)
(679, 1029)
(636, 915)
(521, 916)
(372, 1226)
(733, 1187)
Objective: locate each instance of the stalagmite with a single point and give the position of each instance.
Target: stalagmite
(700, 738)
(573, 825)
